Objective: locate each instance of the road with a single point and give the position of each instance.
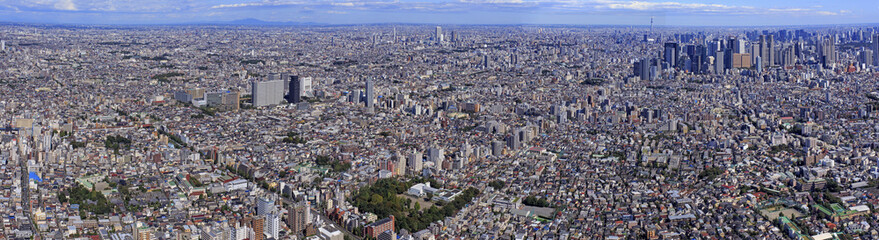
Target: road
(25, 196)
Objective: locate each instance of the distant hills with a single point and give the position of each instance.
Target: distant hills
(257, 22)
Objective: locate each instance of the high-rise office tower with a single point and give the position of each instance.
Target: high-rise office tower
(439, 35)
(876, 49)
(295, 93)
(798, 49)
(672, 53)
(645, 69)
(727, 58)
(370, 93)
(484, 61)
(265, 93)
(636, 68)
(758, 64)
(719, 62)
(766, 50)
(2, 45)
(827, 51)
(788, 56)
(865, 57)
(738, 45)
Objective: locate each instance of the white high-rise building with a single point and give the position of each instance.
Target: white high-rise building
(267, 93)
(306, 87)
(439, 34)
(415, 162)
(876, 49)
(400, 167)
(273, 226)
(238, 232)
(436, 155)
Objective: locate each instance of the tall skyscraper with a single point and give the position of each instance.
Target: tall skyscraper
(439, 35)
(370, 93)
(827, 51)
(876, 49)
(295, 93)
(766, 50)
(865, 56)
(645, 69)
(738, 45)
(2, 45)
(788, 56)
(758, 64)
(672, 53)
(485, 63)
(719, 64)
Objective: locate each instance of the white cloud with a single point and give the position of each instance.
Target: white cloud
(525, 6)
(65, 5)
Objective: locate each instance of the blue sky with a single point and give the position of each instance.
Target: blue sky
(617, 12)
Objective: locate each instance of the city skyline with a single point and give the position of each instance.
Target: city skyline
(493, 12)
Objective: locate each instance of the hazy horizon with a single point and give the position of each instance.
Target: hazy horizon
(463, 12)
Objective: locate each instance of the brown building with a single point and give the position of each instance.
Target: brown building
(296, 217)
(258, 226)
(380, 226)
(741, 60)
